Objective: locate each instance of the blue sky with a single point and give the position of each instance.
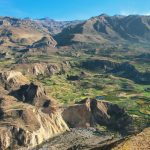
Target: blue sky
(72, 9)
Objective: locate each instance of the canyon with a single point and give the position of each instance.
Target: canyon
(75, 85)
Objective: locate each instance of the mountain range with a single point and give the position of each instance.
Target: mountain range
(99, 29)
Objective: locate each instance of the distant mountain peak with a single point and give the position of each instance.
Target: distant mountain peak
(46, 19)
(103, 15)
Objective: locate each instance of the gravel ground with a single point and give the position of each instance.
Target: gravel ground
(77, 139)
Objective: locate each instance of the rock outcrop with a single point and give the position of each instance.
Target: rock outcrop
(43, 69)
(44, 42)
(35, 69)
(90, 112)
(34, 94)
(12, 79)
(140, 141)
(25, 126)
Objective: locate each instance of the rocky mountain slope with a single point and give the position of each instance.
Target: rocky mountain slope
(107, 29)
(23, 35)
(30, 119)
(137, 142)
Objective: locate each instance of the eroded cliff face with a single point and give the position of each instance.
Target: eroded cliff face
(36, 69)
(28, 117)
(24, 125)
(43, 69)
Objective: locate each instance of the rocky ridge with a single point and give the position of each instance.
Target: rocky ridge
(56, 27)
(107, 29)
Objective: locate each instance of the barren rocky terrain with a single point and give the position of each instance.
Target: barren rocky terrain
(75, 85)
